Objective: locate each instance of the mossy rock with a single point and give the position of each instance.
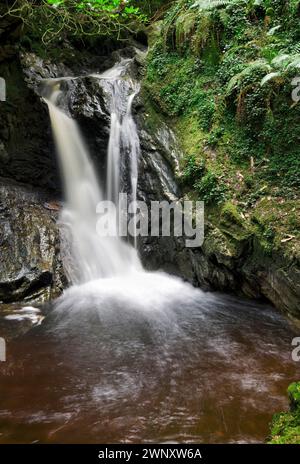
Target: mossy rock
(154, 32)
(230, 213)
(285, 428)
(232, 223)
(220, 247)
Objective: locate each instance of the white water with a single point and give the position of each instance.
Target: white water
(109, 268)
(93, 257)
(106, 272)
(139, 357)
(123, 131)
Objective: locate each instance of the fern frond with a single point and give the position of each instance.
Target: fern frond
(238, 78)
(295, 63)
(274, 29)
(281, 60)
(211, 4)
(270, 77)
(184, 26)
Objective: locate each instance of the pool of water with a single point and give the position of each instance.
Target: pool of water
(147, 359)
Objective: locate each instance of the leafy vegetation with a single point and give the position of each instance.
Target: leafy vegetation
(286, 426)
(48, 20)
(153, 9)
(225, 72)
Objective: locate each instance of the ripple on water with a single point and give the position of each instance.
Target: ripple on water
(147, 359)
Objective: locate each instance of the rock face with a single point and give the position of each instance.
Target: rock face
(30, 267)
(26, 149)
(229, 260)
(245, 270)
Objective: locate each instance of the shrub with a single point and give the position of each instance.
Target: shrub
(210, 189)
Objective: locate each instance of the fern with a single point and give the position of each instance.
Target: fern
(274, 29)
(185, 26)
(211, 4)
(295, 63)
(237, 80)
(281, 64)
(270, 77)
(203, 32)
(280, 60)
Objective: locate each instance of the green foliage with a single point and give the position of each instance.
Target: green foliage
(210, 189)
(50, 20)
(152, 7)
(247, 75)
(207, 185)
(294, 394)
(285, 428)
(193, 170)
(282, 64)
(228, 67)
(211, 4)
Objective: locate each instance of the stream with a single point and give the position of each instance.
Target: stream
(130, 356)
(147, 359)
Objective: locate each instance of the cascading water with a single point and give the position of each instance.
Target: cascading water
(123, 132)
(92, 256)
(128, 356)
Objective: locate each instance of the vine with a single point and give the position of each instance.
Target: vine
(52, 19)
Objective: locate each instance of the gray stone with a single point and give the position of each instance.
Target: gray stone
(30, 266)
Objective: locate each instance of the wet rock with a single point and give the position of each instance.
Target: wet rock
(229, 260)
(27, 152)
(30, 267)
(16, 320)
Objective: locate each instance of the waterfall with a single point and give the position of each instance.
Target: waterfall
(124, 138)
(89, 256)
(138, 356)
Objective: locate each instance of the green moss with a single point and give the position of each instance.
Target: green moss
(153, 118)
(194, 169)
(212, 72)
(285, 427)
(233, 224)
(229, 213)
(277, 222)
(240, 139)
(210, 188)
(191, 137)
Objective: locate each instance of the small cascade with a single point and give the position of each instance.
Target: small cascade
(124, 138)
(93, 256)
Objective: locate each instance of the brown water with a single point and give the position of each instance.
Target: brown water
(200, 368)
